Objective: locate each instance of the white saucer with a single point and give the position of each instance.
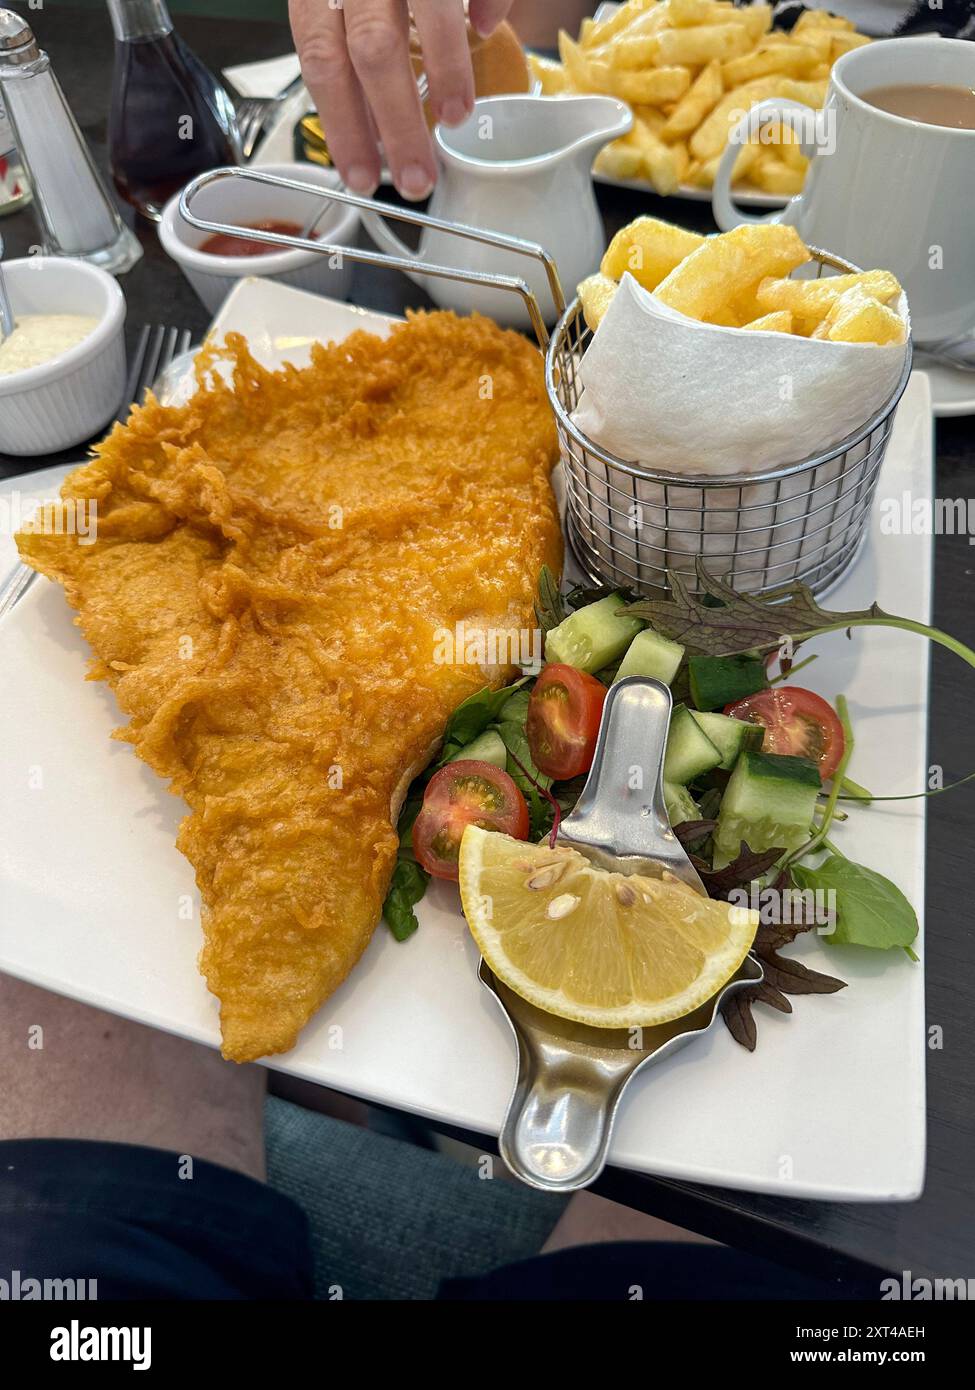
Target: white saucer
(952, 389)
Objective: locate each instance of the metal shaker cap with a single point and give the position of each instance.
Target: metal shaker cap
(17, 42)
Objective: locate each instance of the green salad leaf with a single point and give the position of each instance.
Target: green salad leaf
(583, 594)
(470, 719)
(515, 708)
(406, 888)
(408, 814)
(549, 606)
(511, 727)
(870, 910)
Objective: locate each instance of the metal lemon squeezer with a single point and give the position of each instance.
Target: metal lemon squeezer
(571, 1077)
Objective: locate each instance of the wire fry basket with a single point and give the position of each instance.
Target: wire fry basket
(629, 525)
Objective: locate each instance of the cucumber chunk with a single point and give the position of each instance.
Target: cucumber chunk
(592, 637)
(717, 681)
(486, 748)
(680, 804)
(729, 736)
(689, 750)
(769, 801)
(649, 654)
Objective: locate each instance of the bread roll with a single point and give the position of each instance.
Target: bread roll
(499, 63)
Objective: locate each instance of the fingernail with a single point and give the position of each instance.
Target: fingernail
(415, 182)
(454, 111)
(361, 180)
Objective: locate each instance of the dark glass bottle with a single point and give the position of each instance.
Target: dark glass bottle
(170, 118)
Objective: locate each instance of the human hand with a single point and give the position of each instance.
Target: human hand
(355, 59)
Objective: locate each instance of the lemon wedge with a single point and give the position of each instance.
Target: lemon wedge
(610, 950)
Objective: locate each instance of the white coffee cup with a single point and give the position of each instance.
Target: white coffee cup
(882, 190)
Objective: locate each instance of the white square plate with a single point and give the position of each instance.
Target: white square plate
(831, 1104)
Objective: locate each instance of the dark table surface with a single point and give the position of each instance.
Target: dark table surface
(934, 1236)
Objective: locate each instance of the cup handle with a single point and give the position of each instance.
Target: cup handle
(792, 113)
(389, 242)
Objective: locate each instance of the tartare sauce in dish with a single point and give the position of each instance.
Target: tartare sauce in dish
(39, 338)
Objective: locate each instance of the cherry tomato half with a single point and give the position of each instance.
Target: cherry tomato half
(463, 793)
(563, 720)
(796, 721)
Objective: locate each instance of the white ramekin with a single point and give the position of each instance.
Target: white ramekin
(62, 402)
(241, 201)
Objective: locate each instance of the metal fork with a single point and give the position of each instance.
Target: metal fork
(157, 346)
(571, 1077)
(252, 114)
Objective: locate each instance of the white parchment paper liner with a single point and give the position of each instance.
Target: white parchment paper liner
(671, 394)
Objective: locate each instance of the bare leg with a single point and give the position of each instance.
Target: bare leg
(592, 1220)
(68, 1071)
(310, 1096)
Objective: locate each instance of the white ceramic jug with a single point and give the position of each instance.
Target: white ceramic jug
(519, 165)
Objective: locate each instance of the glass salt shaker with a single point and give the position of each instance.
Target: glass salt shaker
(77, 214)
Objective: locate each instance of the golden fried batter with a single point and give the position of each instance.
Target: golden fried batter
(271, 565)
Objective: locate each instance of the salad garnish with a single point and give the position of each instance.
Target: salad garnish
(735, 623)
(754, 771)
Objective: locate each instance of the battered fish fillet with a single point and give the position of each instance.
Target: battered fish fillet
(272, 565)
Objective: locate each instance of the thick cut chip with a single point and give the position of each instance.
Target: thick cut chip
(843, 43)
(792, 59)
(620, 159)
(773, 175)
(813, 299)
(809, 93)
(664, 165)
(703, 175)
(857, 317)
(550, 74)
(779, 322)
(821, 19)
(652, 86)
(596, 293)
(702, 43)
(712, 134)
(703, 95)
(726, 265)
(649, 249)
